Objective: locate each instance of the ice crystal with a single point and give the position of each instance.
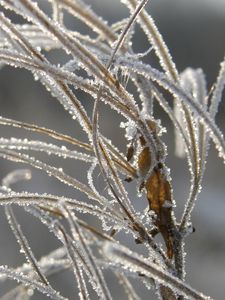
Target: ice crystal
(91, 224)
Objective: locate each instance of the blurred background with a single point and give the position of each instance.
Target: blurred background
(195, 34)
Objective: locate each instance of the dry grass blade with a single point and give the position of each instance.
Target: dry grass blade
(120, 201)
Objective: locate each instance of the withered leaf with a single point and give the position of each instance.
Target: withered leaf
(144, 161)
(158, 190)
(157, 187)
(159, 196)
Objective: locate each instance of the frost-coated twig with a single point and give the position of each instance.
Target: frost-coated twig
(78, 235)
(163, 81)
(10, 179)
(19, 277)
(51, 133)
(99, 150)
(136, 263)
(156, 40)
(106, 208)
(128, 288)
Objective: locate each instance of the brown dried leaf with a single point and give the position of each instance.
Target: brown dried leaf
(144, 162)
(159, 198)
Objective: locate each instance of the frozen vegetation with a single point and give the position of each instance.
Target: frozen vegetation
(104, 66)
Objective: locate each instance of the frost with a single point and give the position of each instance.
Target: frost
(94, 225)
(136, 263)
(15, 176)
(204, 117)
(167, 204)
(40, 146)
(131, 129)
(27, 281)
